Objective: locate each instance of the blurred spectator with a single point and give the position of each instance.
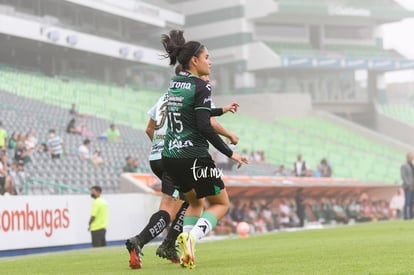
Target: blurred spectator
(72, 129)
(384, 210)
(284, 214)
(3, 137)
(366, 211)
(257, 156)
(266, 215)
(74, 112)
(97, 158)
(21, 155)
(300, 206)
(238, 214)
(317, 172)
(14, 138)
(262, 156)
(43, 147)
(281, 171)
(407, 176)
(6, 182)
(325, 169)
(299, 167)
(251, 212)
(112, 134)
(3, 174)
(339, 212)
(31, 140)
(397, 205)
(55, 145)
(131, 165)
(83, 150)
(353, 208)
(225, 225)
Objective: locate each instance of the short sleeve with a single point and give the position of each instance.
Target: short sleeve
(202, 97)
(95, 208)
(153, 112)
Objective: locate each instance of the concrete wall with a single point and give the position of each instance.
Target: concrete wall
(269, 106)
(395, 129)
(380, 136)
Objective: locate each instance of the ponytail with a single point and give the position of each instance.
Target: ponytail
(179, 50)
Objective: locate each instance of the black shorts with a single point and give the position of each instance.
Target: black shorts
(200, 174)
(55, 156)
(98, 237)
(167, 184)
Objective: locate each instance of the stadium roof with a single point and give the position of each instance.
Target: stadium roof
(135, 10)
(383, 10)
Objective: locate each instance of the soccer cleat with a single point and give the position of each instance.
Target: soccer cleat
(186, 243)
(135, 261)
(167, 251)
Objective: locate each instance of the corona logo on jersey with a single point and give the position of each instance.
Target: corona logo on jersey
(33, 219)
(180, 85)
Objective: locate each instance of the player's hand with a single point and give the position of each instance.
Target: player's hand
(232, 107)
(234, 139)
(240, 160)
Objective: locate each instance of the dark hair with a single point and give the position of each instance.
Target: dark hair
(52, 131)
(97, 188)
(86, 141)
(179, 50)
(178, 69)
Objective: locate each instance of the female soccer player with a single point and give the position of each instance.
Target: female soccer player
(185, 154)
(171, 206)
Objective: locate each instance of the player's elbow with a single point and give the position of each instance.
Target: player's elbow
(149, 131)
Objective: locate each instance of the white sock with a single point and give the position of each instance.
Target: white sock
(187, 228)
(201, 228)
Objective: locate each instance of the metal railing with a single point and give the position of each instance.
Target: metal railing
(61, 187)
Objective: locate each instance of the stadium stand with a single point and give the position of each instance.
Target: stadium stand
(402, 112)
(19, 114)
(281, 140)
(123, 105)
(350, 154)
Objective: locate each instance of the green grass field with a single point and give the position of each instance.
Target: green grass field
(375, 248)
